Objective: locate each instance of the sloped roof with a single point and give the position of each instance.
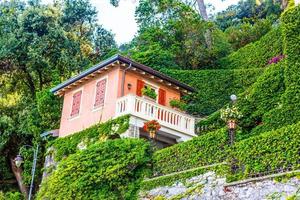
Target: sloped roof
(124, 60)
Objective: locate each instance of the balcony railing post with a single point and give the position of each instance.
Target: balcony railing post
(148, 110)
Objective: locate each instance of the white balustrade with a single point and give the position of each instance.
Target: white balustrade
(149, 110)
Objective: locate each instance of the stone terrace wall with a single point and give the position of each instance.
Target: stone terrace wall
(210, 187)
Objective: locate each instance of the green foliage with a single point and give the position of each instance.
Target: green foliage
(274, 99)
(214, 86)
(257, 54)
(246, 33)
(69, 145)
(106, 170)
(170, 179)
(149, 92)
(11, 196)
(172, 35)
(175, 103)
(202, 150)
(49, 108)
(268, 151)
(261, 98)
(247, 11)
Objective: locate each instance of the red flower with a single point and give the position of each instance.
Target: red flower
(152, 125)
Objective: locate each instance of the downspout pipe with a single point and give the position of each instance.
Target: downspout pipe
(123, 79)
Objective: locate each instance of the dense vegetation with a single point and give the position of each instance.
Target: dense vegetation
(257, 54)
(213, 93)
(105, 170)
(203, 150)
(268, 151)
(99, 132)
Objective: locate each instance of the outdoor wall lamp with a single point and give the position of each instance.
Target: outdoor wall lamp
(19, 160)
(129, 86)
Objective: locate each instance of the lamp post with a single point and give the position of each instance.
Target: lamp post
(231, 123)
(19, 160)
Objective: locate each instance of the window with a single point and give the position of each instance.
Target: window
(76, 103)
(100, 93)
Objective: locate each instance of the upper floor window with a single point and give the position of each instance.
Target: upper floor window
(76, 103)
(100, 93)
(160, 93)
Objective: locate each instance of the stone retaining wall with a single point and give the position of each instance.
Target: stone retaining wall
(210, 187)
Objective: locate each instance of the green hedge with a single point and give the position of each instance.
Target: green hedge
(260, 98)
(202, 150)
(265, 152)
(268, 151)
(168, 180)
(107, 170)
(257, 54)
(68, 145)
(214, 86)
(287, 110)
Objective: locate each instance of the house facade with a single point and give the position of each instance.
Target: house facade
(114, 88)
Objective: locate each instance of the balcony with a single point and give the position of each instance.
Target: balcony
(148, 110)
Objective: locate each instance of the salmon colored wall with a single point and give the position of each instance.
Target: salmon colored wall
(89, 116)
(132, 78)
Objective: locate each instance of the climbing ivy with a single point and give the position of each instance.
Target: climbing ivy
(111, 170)
(68, 145)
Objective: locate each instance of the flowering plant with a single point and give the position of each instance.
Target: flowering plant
(276, 59)
(151, 126)
(230, 113)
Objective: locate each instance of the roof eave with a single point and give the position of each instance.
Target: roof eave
(124, 60)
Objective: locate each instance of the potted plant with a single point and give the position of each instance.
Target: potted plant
(152, 127)
(230, 114)
(149, 92)
(178, 104)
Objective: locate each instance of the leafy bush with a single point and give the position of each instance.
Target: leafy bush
(257, 54)
(246, 33)
(268, 151)
(149, 92)
(214, 86)
(202, 150)
(108, 170)
(11, 196)
(175, 103)
(68, 145)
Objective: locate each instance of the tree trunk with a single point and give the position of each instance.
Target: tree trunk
(203, 13)
(202, 9)
(18, 174)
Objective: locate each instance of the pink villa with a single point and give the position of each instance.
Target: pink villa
(113, 88)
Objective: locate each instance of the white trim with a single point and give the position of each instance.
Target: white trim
(76, 116)
(95, 92)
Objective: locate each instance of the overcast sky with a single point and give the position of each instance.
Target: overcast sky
(121, 21)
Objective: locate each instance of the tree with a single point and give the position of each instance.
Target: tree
(172, 35)
(40, 46)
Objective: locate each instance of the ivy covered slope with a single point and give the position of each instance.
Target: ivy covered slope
(214, 86)
(69, 145)
(267, 151)
(105, 170)
(93, 166)
(202, 150)
(275, 102)
(256, 54)
(255, 103)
